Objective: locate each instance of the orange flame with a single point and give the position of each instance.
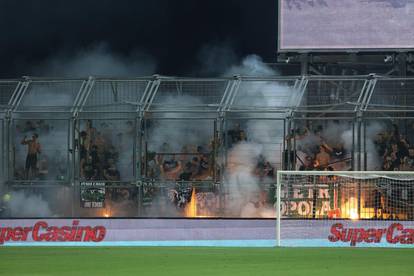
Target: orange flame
(191, 208)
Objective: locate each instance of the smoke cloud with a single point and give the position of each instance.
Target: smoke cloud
(97, 60)
(181, 132)
(264, 139)
(24, 205)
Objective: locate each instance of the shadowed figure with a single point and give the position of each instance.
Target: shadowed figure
(33, 149)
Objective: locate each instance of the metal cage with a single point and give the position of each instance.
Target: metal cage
(140, 121)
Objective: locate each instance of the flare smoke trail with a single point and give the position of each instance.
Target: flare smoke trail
(264, 138)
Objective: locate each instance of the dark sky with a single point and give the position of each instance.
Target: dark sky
(173, 32)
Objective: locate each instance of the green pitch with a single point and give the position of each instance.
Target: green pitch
(205, 261)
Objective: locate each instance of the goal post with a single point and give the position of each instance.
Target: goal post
(349, 208)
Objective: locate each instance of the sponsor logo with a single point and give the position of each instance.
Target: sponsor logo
(43, 232)
(394, 234)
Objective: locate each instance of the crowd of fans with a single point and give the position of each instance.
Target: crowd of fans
(100, 152)
(315, 152)
(198, 162)
(192, 163)
(395, 150)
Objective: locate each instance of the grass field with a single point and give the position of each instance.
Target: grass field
(204, 261)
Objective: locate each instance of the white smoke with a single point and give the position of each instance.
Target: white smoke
(97, 60)
(264, 138)
(181, 131)
(251, 65)
(374, 161)
(23, 205)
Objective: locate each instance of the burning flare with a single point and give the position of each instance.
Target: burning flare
(191, 207)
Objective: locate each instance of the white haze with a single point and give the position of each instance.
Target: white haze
(264, 138)
(97, 60)
(23, 205)
(181, 131)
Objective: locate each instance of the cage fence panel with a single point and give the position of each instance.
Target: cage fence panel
(332, 94)
(392, 94)
(264, 94)
(7, 89)
(51, 96)
(190, 95)
(40, 150)
(114, 96)
(322, 144)
(179, 149)
(387, 144)
(106, 150)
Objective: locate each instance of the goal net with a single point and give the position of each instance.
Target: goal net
(345, 208)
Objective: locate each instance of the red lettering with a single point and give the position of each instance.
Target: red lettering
(2, 234)
(25, 234)
(390, 233)
(357, 236)
(18, 234)
(369, 238)
(379, 234)
(395, 233)
(89, 234)
(79, 234)
(41, 231)
(36, 228)
(336, 232)
(10, 235)
(407, 236)
(101, 233)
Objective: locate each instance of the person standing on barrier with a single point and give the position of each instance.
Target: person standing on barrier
(33, 149)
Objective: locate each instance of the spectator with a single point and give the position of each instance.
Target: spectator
(171, 169)
(33, 149)
(89, 170)
(236, 135)
(187, 174)
(410, 157)
(90, 135)
(322, 158)
(111, 173)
